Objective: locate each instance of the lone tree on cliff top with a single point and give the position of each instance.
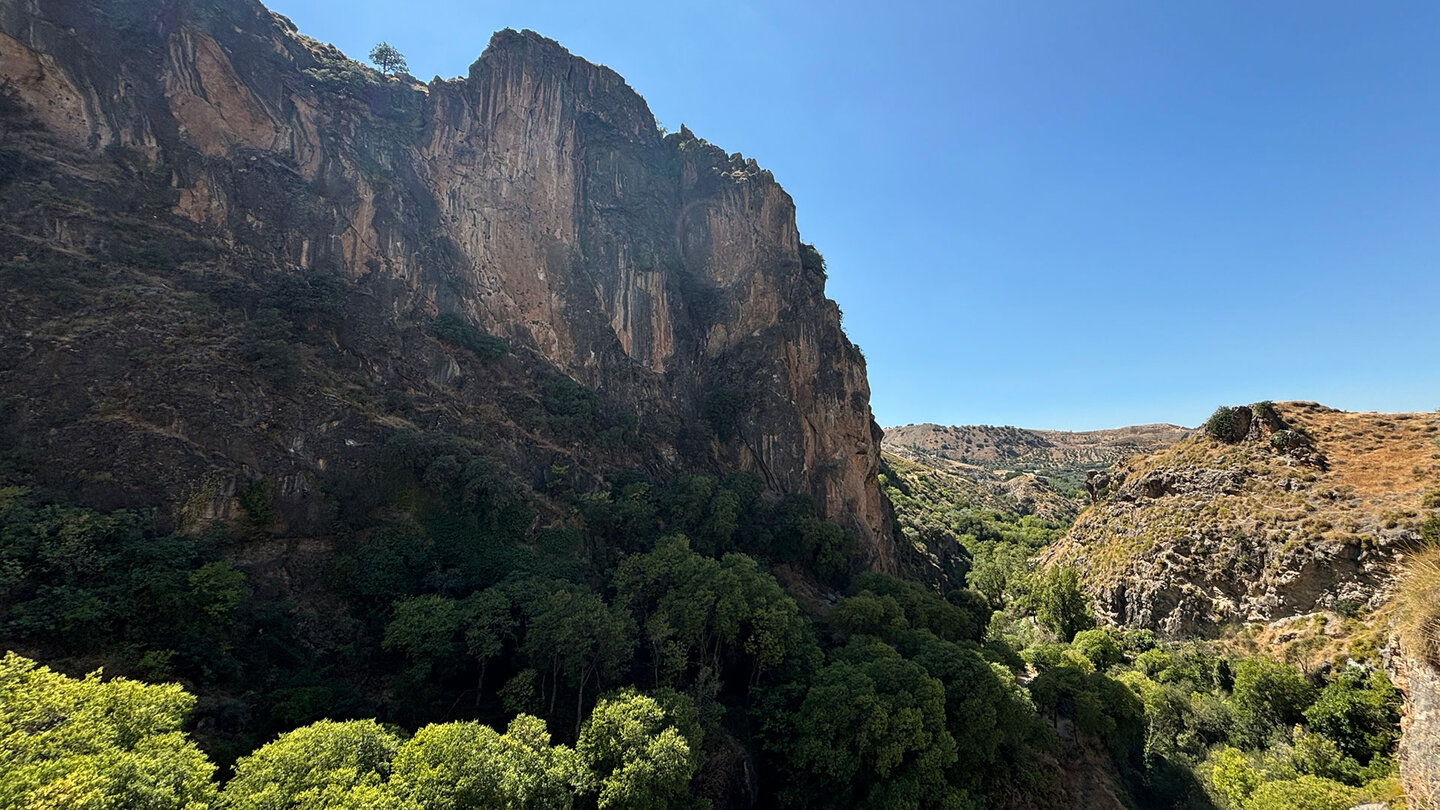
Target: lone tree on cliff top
(388, 59)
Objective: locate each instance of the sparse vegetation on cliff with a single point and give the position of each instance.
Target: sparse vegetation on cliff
(1417, 606)
(1304, 515)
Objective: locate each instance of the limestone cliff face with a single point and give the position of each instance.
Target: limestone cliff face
(534, 196)
(1419, 755)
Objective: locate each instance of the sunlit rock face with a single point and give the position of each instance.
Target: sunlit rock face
(535, 196)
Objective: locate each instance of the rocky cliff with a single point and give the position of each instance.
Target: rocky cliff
(1419, 679)
(173, 170)
(1293, 509)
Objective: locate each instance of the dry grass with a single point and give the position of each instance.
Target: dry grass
(1380, 471)
(1417, 606)
(1385, 456)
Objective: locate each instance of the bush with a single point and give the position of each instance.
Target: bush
(1231, 776)
(1305, 793)
(1265, 411)
(1221, 424)
(723, 409)
(267, 341)
(1099, 645)
(1288, 439)
(570, 407)
(455, 330)
(305, 296)
(811, 261)
(1430, 531)
(1360, 713)
(1152, 662)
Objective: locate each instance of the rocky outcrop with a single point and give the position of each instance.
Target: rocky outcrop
(1419, 755)
(1295, 509)
(535, 198)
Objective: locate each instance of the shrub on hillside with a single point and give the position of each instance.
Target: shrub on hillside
(457, 331)
(1221, 424)
(268, 341)
(1417, 607)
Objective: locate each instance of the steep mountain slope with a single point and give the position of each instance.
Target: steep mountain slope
(234, 258)
(1038, 472)
(1296, 508)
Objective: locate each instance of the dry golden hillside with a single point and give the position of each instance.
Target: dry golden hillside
(1304, 508)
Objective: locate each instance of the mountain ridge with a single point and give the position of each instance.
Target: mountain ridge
(192, 155)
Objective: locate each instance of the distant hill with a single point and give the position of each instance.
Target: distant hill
(1040, 472)
(1011, 448)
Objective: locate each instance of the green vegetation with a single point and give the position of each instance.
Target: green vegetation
(454, 329)
(811, 261)
(995, 543)
(268, 341)
(75, 580)
(1221, 424)
(1186, 724)
(388, 60)
(1060, 606)
(723, 409)
(93, 743)
(645, 630)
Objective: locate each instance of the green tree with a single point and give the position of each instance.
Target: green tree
(571, 632)
(1268, 697)
(323, 766)
(998, 571)
(489, 624)
(1060, 605)
(428, 630)
(267, 340)
(699, 614)
(1099, 645)
(635, 756)
(83, 744)
(994, 726)
(388, 60)
(870, 732)
(1304, 793)
(1232, 778)
(468, 766)
(1360, 712)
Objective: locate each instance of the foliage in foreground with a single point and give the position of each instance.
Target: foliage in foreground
(90, 743)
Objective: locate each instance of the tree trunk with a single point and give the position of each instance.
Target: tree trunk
(554, 688)
(580, 699)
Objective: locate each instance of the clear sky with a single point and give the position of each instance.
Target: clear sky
(1056, 214)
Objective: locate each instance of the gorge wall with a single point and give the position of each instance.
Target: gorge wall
(534, 199)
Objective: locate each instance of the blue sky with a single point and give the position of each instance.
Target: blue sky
(1056, 215)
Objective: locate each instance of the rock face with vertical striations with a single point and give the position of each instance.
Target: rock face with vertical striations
(533, 199)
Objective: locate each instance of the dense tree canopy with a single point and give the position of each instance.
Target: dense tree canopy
(91, 743)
